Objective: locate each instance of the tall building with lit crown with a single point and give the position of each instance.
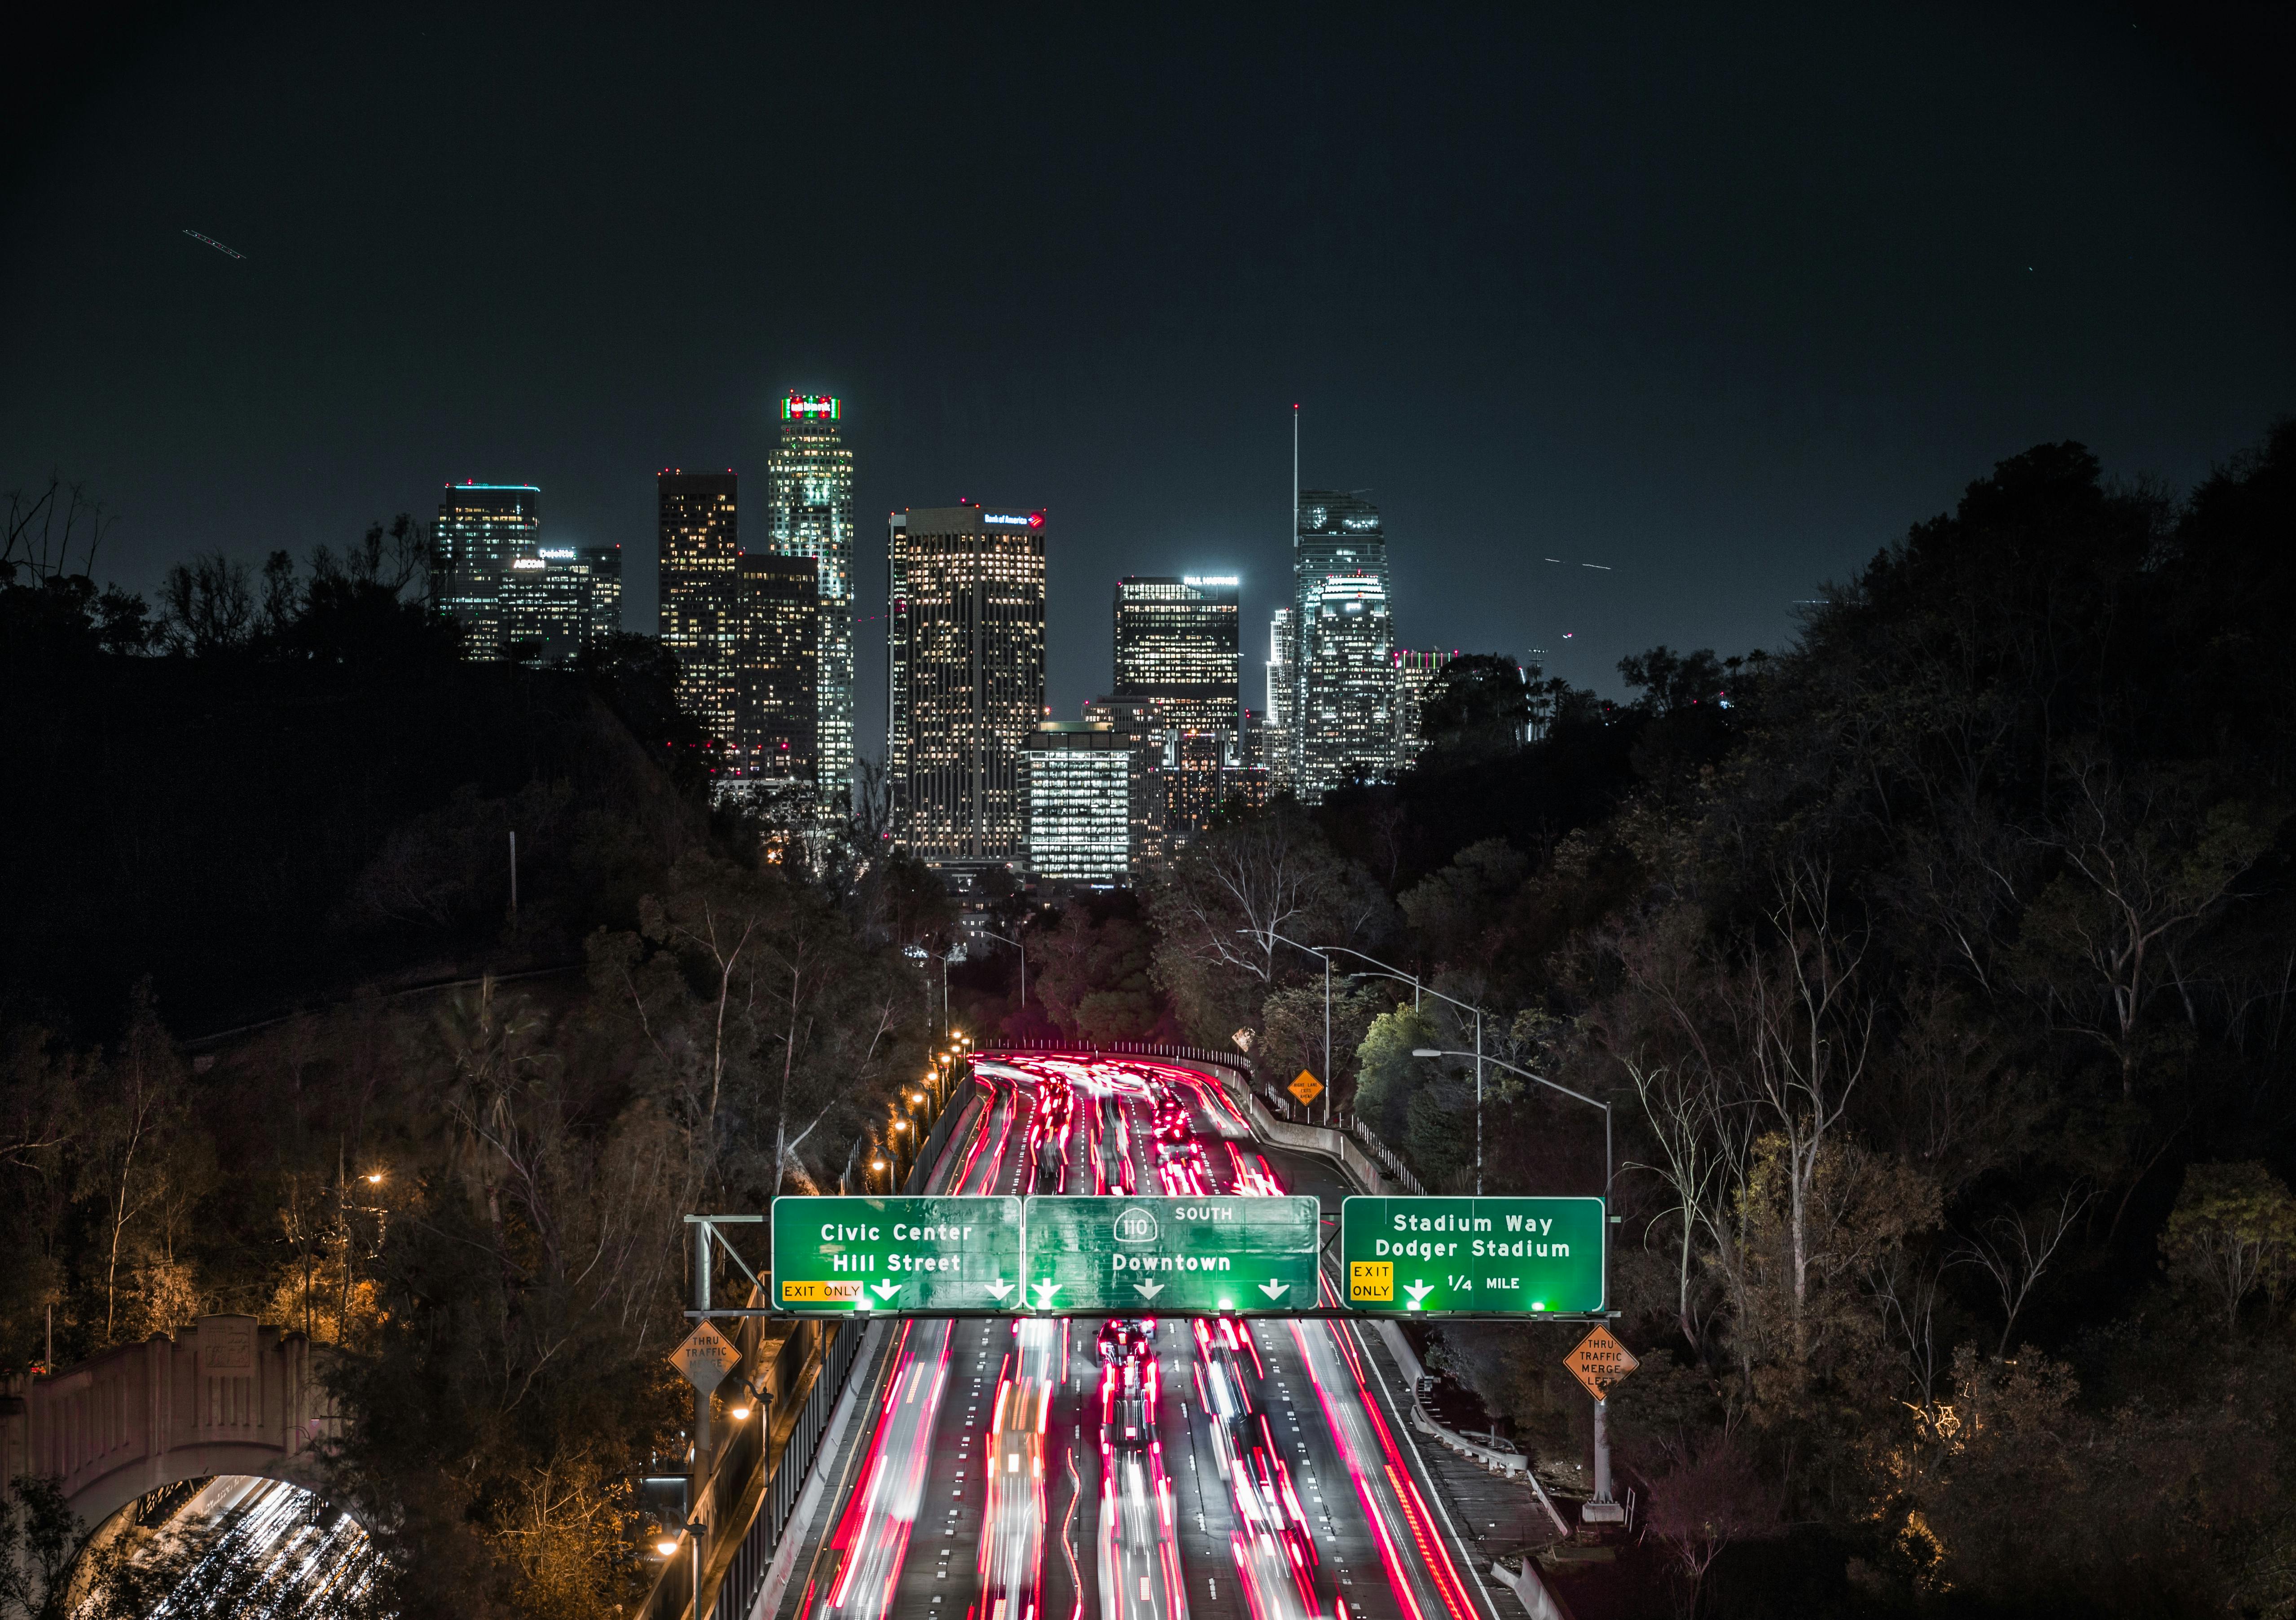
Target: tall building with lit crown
(1179, 642)
(482, 528)
(542, 604)
(701, 561)
(965, 655)
(1343, 726)
(811, 484)
(778, 652)
(1416, 676)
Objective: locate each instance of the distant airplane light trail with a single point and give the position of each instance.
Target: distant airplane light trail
(217, 246)
(1564, 561)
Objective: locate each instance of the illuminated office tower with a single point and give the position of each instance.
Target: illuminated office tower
(1343, 728)
(1140, 719)
(601, 601)
(542, 606)
(811, 484)
(1178, 642)
(481, 528)
(778, 652)
(1278, 749)
(1083, 784)
(700, 560)
(965, 651)
(557, 600)
(1416, 676)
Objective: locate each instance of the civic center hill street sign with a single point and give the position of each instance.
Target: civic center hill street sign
(1490, 1256)
(1184, 1255)
(840, 1255)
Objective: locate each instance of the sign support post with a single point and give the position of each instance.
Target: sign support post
(1599, 1362)
(704, 1377)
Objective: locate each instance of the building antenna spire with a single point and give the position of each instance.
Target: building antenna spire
(1295, 476)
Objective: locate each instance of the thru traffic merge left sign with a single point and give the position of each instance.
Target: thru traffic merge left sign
(705, 1358)
(1599, 1362)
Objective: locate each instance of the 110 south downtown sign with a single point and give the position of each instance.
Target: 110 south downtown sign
(1213, 1255)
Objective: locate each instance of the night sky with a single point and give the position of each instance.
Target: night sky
(1720, 303)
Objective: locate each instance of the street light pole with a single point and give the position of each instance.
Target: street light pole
(1014, 942)
(1412, 980)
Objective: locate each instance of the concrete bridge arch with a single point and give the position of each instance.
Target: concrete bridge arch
(226, 1396)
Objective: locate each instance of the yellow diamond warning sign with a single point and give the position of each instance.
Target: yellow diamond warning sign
(1600, 1362)
(1306, 1087)
(1371, 1279)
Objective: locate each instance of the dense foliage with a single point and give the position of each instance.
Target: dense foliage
(470, 1195)
(1938, 970)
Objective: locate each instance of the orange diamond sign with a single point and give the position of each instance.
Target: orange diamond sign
(1600, 1362)
(1306, 1087)
(705, 1358)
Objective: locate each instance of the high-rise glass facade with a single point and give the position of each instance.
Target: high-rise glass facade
(965, 655)
(776, 658)
(1344, 723)
(1278, 737)
(811, 483)
(1082, 783)
(602, 605)
(700, 558)
(482, 528)
(1179, 642)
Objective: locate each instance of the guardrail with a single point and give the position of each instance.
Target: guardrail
(734, 1471)
(738, 1587)
(1125, 1049)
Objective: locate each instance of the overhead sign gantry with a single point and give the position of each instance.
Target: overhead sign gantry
(1195, 1256)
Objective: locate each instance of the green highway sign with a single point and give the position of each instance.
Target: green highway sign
(839, 1255)
(1487, 1256)
(1182, 1255)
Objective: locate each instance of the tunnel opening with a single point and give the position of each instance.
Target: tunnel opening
(231, 1544)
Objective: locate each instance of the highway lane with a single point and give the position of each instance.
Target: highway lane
(1267, 1477)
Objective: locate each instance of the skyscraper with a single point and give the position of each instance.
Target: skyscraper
(1278, 736)
(1416, 675)
(1084, 786)
(1177, 641)
(699, 593)
(542, 604)
(777, 651)
(1344, 724)
(601, 603)
(811, 483)
(965, 651)
(481, 528)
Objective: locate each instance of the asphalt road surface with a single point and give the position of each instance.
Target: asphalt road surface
(1049, 1468)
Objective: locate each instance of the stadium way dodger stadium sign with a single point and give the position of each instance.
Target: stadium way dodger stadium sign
(1490, 1256)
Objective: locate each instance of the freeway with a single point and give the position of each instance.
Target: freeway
(1046, 1468)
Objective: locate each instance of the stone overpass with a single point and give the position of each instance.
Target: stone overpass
(225, 1396)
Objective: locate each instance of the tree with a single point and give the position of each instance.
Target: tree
(2231, 1231)
(1710, 1497)
(1228, 896)
(1479, 708)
